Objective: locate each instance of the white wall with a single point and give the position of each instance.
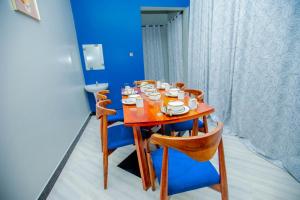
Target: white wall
(43, 104)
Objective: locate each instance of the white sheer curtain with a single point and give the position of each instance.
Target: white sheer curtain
(154, 64)
(245, 56)
(175, 49)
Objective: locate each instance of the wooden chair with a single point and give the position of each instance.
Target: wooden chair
(180, 85)
(119, 116)
(183, 163)
(112, 137)
(138, 83)
(188, 125)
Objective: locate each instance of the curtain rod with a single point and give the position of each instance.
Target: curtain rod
(178, 14)
(152, 25)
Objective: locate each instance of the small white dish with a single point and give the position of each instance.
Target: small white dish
(129, 101)
(127, 92)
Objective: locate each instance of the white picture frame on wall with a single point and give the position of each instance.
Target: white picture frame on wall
(27, 7)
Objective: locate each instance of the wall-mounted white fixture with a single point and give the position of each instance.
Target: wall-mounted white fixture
(94, 88)
(93, 56)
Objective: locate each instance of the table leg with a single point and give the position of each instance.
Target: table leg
(195, 127)
(141, 157)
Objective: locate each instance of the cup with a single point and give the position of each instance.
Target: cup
(181, 95)
(127, 87)
(158, 84)
(193, 103)
(167, 87)
(139, 102)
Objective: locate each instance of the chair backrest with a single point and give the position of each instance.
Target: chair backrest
(199, 94)
(180, 85)
(100, 105)
(101, 95)
(137, 83)
(201, 148)
(102, 111)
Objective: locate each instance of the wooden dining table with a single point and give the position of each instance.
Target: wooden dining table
(150, 115)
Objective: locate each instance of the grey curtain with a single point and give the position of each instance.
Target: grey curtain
(154, 51)
(175, 51)
(245, 55)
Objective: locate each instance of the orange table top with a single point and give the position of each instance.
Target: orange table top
(148, 115)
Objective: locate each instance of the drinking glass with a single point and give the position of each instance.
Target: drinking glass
(181, 95)
(139, 102)
(158, 84)
(193, 103)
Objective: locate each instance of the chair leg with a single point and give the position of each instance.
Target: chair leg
(222, 169)
(101, 141)
(205, 125)
(173, 133)
(150, 164)
(151, 171)
(105, 168)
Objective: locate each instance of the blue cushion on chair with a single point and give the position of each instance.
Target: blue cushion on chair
(185, 126)
(184, 172)
(119, 136)
(119, 116)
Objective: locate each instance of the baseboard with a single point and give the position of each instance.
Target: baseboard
(46, 191)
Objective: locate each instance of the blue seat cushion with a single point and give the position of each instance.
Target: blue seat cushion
(119, 136)
(185, 173)
(119, 116)
(185, 126)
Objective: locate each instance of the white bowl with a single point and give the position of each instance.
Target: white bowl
(154, 96)
(175, 105)
(134, 96)
(150, 90)
(174, 90)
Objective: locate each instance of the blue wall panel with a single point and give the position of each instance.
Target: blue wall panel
(116, 24)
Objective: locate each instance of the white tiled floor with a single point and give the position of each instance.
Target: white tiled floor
(249, 176)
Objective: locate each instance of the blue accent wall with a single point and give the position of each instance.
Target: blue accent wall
(116, 24)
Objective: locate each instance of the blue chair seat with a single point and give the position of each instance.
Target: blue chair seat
(185, 126)
(119, 116)
(185, 173)
(119, 136)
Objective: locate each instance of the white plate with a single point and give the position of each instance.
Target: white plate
(180, 112)
(129, 101)
(134, 96)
